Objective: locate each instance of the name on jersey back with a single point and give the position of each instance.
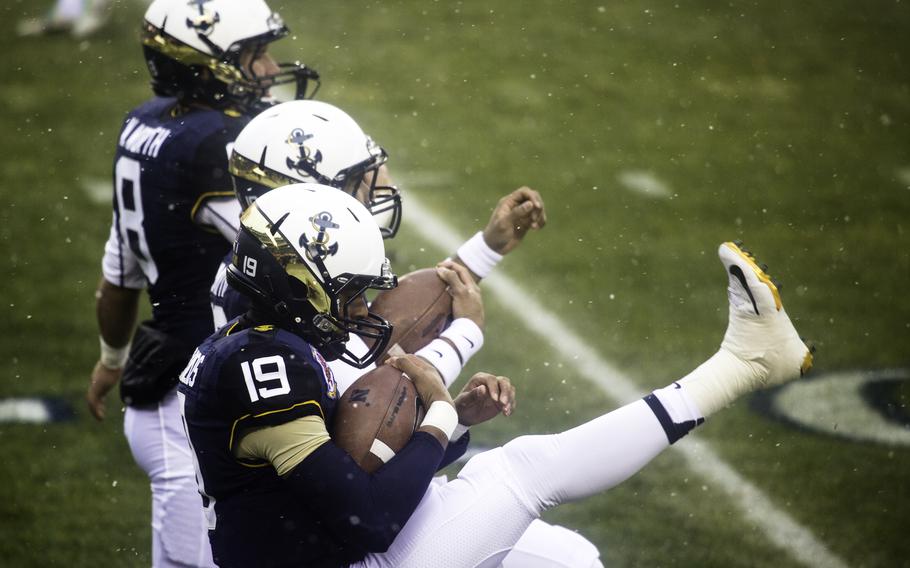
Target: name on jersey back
(142, 139)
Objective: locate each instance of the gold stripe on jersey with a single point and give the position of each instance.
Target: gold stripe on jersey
(254, 416)
(283, 446)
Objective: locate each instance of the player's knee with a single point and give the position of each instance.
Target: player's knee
(533, 462)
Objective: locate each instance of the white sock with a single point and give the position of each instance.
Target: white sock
(718, 381)
(675, 410)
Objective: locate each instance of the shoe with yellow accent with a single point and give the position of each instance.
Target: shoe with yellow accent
(759, 331)
(760, 348)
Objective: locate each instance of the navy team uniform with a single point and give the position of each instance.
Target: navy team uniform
(227, 303)
(244, 378)
(172, 198)
(168, 164)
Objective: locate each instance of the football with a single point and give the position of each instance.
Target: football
(376, 416)
(419, 309)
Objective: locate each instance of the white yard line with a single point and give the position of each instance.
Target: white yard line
(777, 525)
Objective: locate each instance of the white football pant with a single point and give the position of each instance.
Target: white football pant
(159, 445)
(476, 519)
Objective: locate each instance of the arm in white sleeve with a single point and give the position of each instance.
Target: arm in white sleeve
(119, 265)
(219, 211)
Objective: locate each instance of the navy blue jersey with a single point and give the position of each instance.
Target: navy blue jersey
(236, 382)
(169, 160)
(326, 511)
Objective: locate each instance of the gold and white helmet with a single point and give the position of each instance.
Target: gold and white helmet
(306, 254)
(313, 141)
(196, 50)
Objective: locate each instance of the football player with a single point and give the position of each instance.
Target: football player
(211, 72)
(257, 401)
(315, 141)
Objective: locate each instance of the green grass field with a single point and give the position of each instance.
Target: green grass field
(786, 125)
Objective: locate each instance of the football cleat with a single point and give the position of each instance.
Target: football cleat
(759, 332)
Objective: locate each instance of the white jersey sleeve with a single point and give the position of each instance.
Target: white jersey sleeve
(216, 293)
(120, 265)
(221, 212)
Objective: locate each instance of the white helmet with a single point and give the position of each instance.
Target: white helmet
(180, 38)
(305, 255)
(312, 141)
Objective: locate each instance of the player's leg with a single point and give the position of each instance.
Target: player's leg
(159, 446)
(476, 519)
(473, 521)
(760, 348)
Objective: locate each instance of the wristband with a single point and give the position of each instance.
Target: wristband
(113, 357)
(441, 415)
(382, 451)
(460, 431)
(477, 255)
(444, 357)
(466, 336)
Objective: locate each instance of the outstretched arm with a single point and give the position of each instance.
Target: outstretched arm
(514, 215)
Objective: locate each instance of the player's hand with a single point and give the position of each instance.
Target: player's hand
(515, 214)
(103, 380)
(483, 398)
(425, 377)
(467, 301)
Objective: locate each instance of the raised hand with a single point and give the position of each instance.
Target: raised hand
(514, 215)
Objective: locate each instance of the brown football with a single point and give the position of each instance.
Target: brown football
(419, 308)
(376, 416)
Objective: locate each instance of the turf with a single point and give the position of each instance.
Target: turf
(783, 124)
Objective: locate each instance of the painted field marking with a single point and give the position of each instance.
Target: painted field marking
(35, 410)
(24, 411)
(755, 506)
(644, 183)
(834, 404)
(98, 191)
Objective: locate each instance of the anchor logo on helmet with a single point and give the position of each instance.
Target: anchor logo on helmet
(318, 248)
(303, 160)
(205, 22)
